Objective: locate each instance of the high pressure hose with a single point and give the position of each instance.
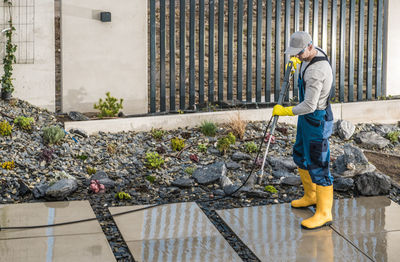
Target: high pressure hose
(285, 87)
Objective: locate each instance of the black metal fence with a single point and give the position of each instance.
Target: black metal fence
(211, 43)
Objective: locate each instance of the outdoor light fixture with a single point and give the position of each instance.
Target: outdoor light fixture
(105, 16)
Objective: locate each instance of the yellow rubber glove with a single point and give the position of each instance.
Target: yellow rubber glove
(295, 61)
(282, 111)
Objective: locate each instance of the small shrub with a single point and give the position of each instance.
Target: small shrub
(47, 154)
(91, 170)
(208, 128)
(82, 157)
(271, 189)
(189, 170)
(251, 147)
(202, 148)
(8, 165)
(24, 123)
(123, 196)
(237, 126)
(5, 128)
(150, 178)
(177, 144)
(53, 134)
(111, 149)
(153, 160)
(393, 136)
(157, 133)
(110, 107)
(223, 144)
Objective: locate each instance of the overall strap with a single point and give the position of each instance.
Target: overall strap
(314, 60)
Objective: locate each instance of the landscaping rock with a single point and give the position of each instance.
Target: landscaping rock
(76, 116)
(372, 184)
(345, 129)
(210, 174)
(103, 178)
(343, 184)
(79, 132)
(291, 180)
(183, 182)
(61, 189)
(281, 173)
(237, 156)
(279, 163)
(39, 190)
(232, 165)
(352, 162)
(372, 140)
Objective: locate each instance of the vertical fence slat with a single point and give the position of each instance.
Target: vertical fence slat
(201, 52)
(277, 49)
(249, 50)
(191, 53)
(360, 69)
(351, 51)
(342, 65)
(162, 56)
(172, 89)
(315, 22)
(182, 76)
(379, 31)
(287, 35)
(306, 14)
(268, 32)
(258, 51)
(370, 48)
(296, 28)
(220, 50)
(325, 25)
(152, 56)
(333, 45)
(211, 52)
(239, 94)
(230, 49)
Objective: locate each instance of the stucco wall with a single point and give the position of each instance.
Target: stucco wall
(36, 82)
(104, 56)
(393, 50)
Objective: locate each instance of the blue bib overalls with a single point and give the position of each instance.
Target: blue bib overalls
(311, 150)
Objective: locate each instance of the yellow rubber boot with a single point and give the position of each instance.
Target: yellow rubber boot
(323, 214)
(310, 197)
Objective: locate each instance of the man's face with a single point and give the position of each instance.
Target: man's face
(305, 54)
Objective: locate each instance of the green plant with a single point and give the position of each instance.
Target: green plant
(270, 189)
(189, 170)
(150, 178)
(177, 143)
(24, 123)
(123, 196)
(157, 133)
(82, 156)
(223, 144)
(251, 147)
(91, 170)
(202, 148)
(53, 134)
(110, 107)
(153, 160)
(5, 128)
(208, 128)
(393, 136)
(8, 165)
(9, 57)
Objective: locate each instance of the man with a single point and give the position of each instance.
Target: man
(314, 127)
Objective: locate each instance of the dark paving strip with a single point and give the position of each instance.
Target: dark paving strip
(113, 235)
(236, 243)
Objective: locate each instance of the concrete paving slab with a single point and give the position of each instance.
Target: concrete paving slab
(75, 242)
(174, 232)
(273, 233)
(372, 224)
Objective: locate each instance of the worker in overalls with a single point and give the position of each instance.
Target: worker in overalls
(314, 127)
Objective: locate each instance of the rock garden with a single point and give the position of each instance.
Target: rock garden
(40, 161)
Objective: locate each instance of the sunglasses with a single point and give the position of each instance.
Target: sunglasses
(304, 49)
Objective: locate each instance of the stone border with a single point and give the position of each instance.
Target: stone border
(384, 112)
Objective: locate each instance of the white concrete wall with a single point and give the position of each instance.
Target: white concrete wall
(393, 50)
(36, 82)
(98, 57)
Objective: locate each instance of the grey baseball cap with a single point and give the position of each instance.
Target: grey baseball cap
(298, 41)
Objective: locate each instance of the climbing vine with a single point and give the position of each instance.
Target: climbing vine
(9, 57)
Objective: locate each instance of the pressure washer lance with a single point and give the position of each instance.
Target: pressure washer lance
(284, 89)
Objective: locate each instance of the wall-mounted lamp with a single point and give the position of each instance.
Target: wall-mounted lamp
(105, 16)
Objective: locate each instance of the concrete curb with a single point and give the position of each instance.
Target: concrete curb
(384, 112)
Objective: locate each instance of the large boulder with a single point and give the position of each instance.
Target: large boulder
(352, 162)
(372, 184)
(372, 140)
(61, 189)
(210, 173)
(345, 129)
